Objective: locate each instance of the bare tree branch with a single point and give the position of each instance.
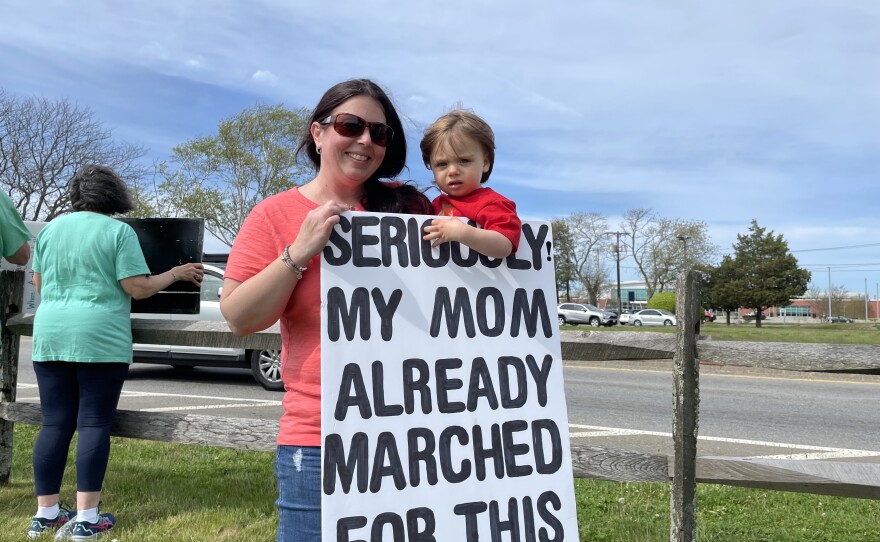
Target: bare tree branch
(44, 142)
(586, 233)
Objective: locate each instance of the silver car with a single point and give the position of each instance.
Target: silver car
(584, 313)
(653, 317)
(265, 365)
(623, 319)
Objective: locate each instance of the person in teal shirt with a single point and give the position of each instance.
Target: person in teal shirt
(87, 268)
(14, 235)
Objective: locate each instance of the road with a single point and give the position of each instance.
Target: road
(157, 388)
(628, 405)
(743, 411)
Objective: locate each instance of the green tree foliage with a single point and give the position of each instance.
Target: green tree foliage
(662, 300)
(763, 272)
(718, 289)
(221, 177)
(563, 258)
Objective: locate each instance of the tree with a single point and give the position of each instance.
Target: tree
(839, 300)
(222, 176)
(719, 291)
(765, 273)
(587, 240)
(563, 257)
(815, 294)
(662, 248)
(44, 142)
(854, 307)
(662, 300)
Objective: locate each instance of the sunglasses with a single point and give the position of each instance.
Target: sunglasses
(348, 125)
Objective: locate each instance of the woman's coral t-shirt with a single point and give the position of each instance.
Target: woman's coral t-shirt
(272, 224)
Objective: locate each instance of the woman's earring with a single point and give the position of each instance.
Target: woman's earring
(317, 149)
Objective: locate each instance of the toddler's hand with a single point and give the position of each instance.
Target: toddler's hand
(443, 230)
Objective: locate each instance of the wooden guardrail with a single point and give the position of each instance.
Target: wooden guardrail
(623, 345)
(684, 470)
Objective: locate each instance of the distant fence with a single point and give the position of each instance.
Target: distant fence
(683, 470)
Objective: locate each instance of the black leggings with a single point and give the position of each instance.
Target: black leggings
(75, 397)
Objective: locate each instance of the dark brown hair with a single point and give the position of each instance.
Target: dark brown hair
(378, 196)
(100, 190)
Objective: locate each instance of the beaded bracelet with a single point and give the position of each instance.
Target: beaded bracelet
(296, 268)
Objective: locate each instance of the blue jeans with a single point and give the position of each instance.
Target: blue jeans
(298, 473)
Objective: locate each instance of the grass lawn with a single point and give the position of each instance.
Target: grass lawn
(160, 491)
(861, 333)
(172, 492)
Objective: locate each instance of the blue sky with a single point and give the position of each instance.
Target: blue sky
(720, 112)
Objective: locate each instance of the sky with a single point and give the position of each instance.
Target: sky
(721, 112)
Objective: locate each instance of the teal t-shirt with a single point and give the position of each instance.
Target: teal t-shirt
(84, 314)
(13, 232)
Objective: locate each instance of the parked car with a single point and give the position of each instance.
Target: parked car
(584, 313)
(265, 365)
(623, 319)
(709, 316)
(752, 315)
(653, 317)
(840, 320)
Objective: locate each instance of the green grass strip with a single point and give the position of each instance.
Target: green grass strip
(768, 332)
(172, 492)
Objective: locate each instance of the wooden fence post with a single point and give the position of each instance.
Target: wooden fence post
(11, 294)
(686, 404)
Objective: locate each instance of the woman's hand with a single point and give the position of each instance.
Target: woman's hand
(315, 231)
(142, 286)
(190, 272)
(258, 302)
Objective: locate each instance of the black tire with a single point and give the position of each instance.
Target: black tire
(266, 368)
(637, 323)
(594, 321)
(667, 322)
(561, 320)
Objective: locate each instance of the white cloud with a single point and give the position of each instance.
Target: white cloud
(265, 77)
(715, 111)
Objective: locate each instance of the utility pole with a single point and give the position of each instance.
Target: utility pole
(829, 293)
(617, 257)
(684, 240)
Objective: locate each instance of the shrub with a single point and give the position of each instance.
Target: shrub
(663, 300)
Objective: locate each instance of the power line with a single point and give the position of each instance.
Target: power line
(836, 248)
(838, 265)
(852, 270)
(867, 245)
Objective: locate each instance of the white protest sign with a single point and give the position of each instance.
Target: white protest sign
(443, 408)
